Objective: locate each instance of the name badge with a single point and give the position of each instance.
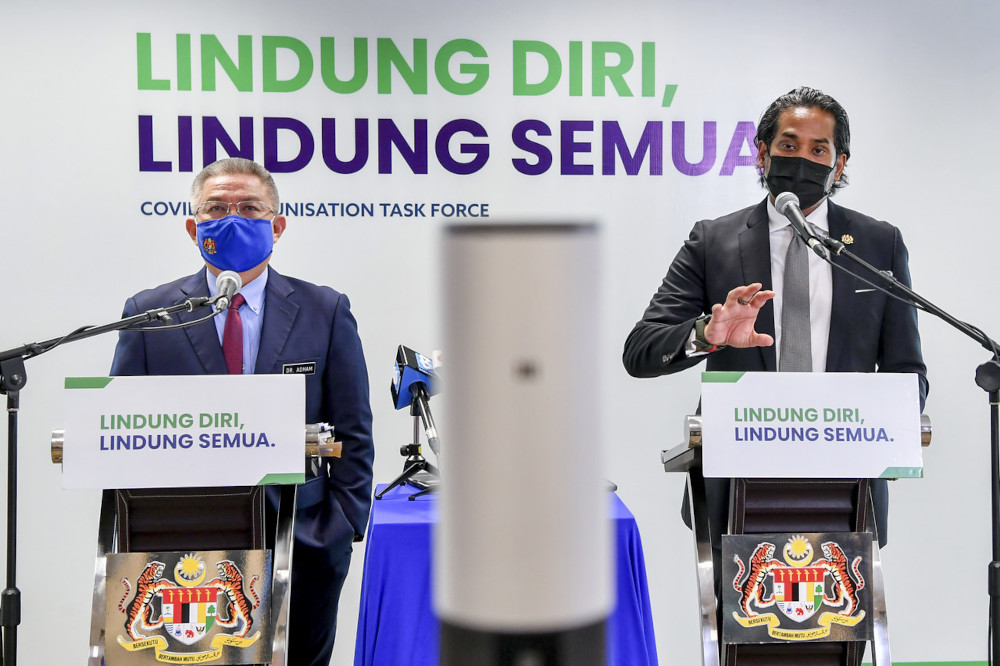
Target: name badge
(308, 368)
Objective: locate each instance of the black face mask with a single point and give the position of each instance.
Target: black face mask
(808, 180)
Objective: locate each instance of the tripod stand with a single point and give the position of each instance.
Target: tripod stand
(416, 470)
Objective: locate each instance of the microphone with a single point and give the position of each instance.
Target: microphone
(228, 285)
(787, 203)
(414, 381)
(411, 368)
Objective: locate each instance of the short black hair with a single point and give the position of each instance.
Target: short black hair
(809, 98)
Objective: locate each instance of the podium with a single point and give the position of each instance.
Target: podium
(186, 520)
(782, 518)
(227, 519)
(197, 574)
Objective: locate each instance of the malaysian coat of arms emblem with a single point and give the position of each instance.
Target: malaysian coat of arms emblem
(818, 598)
(188, 616)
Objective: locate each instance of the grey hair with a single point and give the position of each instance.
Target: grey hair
(231, 166)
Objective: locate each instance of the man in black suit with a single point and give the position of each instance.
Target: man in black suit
(721, 299)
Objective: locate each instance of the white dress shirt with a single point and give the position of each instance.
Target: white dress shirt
(820, 280)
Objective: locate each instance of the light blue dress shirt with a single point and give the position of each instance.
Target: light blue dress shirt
(251, 313)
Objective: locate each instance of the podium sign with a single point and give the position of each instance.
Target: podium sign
(805, 425)
(183, 431)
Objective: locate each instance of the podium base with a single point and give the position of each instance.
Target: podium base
(269, 525)
(817, 654)
(708, 553)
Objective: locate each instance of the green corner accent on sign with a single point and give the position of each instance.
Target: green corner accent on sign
(903, 473)
(282, 479)
(936, 663)
(87, 382)
(721, 377)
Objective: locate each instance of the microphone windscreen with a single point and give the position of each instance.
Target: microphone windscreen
(782, 201)
(227, 277)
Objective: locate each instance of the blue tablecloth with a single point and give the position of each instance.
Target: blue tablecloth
(397, 626)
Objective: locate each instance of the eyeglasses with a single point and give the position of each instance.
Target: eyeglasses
(214, 210)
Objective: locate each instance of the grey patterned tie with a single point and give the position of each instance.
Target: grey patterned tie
(796, 339)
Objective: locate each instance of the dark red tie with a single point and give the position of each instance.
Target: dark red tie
(232, 337)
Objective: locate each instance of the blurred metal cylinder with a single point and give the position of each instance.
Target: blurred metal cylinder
(523, 549)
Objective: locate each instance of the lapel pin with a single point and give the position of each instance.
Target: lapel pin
(847, 239)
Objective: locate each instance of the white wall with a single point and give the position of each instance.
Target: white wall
(917, 78)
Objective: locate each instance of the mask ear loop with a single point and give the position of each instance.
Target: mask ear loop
(831, 180)
(765, 169)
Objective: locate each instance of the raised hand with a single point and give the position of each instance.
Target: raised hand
(733, 322)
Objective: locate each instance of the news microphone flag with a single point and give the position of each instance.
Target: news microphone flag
(411, 368)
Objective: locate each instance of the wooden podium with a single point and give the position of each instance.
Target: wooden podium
(196, 574)
(768, 506)
(225, 518)
(787, 511)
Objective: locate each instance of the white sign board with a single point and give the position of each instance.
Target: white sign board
(184, 431)
(811, 425)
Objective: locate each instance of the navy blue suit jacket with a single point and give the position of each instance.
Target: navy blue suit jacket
(303, 323)
(869, 331)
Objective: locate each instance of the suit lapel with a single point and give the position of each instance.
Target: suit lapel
(279, 314)
(755, 256)
(840, 315)
(204, 337)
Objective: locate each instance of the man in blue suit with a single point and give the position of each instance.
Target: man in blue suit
(288, 325)
(721, 299)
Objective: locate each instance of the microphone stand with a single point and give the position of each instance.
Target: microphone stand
(13, 377)
(423, 412)
(422, 406)
(415, 461)
(988, 379)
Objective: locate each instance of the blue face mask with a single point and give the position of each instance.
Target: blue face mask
(235, 243)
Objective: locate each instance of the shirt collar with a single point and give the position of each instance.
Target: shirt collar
(252, 291)
(819, 217)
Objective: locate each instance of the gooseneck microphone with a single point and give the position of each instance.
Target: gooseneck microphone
(787, 203)
(228, 284)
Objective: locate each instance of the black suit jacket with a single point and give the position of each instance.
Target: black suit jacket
(869, 331)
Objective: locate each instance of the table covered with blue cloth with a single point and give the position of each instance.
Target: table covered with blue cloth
(397, 625)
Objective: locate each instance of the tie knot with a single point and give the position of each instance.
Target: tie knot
(237, 301)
